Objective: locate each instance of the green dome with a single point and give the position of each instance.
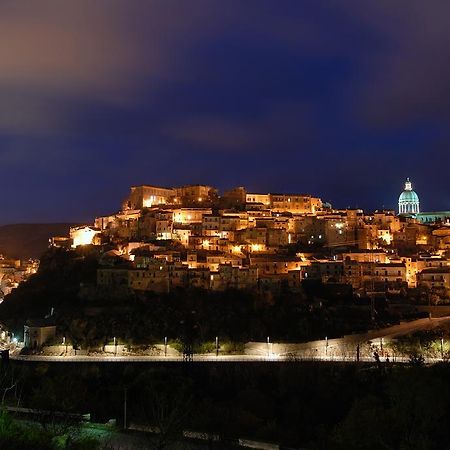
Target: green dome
(408, 196)
(408, 202)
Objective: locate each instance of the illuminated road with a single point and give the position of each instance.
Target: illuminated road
(340, 350)
(208, 359)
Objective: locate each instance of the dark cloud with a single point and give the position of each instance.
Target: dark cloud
(407, 78)
(342, 99)
(52, 52)
(281, 127)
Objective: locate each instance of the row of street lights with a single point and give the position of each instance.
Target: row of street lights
(269, 346)
(115, 343)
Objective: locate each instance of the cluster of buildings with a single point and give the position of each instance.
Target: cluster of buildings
(190, 236)
(13, 272)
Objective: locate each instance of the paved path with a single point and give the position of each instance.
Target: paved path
(341, 349)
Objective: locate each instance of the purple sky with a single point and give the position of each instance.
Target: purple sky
(341, 99)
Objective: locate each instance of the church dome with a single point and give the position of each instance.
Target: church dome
(408, 202)
(408, 196)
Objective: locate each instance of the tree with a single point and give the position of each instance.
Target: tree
(56, 401)
(165, 402)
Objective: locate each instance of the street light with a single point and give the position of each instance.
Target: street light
(125, 392)
(429, 304)
(165, 346)
(217, 346)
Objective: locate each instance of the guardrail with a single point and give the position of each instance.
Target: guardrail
(215, 359)
(57, 414)
(213, 437)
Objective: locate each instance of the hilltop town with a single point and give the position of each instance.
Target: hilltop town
(196, 266)
(190, 236)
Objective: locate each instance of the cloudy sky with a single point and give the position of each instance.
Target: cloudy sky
(342, 99)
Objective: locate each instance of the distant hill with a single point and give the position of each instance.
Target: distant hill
(26, 240)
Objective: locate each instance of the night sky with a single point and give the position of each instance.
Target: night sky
(341, 99)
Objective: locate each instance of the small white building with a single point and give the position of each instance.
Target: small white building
(37, 332)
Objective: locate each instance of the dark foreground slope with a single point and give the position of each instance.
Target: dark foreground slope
(312, 406)
(26, 240)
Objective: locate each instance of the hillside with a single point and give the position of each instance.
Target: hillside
(29, 240)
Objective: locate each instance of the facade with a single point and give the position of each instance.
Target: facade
(148, 196)
(325, 270)
(258, 198)
(195, 194)
(84, 235)
(112, 276)
(294, 203)
(435, 278)
(434, 216)
(38, 332)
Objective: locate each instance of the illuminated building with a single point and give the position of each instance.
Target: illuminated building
(84, 235)
(195, 193)
(148, 196)
(294, 203)
(408, 202)
(38, 332)
(435, 278)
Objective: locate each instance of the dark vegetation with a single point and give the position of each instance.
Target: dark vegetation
(91, 316)
(314, 406)
(433, 343)
(26, 240)
(18, 435)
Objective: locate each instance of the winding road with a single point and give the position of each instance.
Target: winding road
(340, 350)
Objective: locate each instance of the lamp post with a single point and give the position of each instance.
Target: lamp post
(326, 345)
(165, 346)
(268, 346)
(125, 409)
(115, 346)
(442, 348)
(429, 304)
(217, 345)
